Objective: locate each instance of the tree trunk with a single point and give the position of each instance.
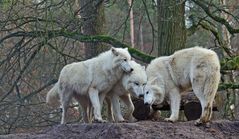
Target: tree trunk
(131, 15)
(231, 94)
(141, 37)
(93, 17)
(171, 26)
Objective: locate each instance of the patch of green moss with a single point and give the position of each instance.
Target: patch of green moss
(231, 63)
(224, 86)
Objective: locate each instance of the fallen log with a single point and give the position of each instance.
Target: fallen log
(189, 103)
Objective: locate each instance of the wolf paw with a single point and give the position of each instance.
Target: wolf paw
(111, 120)
(99, 121)
(123, 121)
(132, 120)
(119, 119)
(199, 122)
(169, 120)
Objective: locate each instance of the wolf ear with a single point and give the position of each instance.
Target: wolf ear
(114, 51)
(126, 48)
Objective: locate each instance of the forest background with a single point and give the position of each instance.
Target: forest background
(39, 37)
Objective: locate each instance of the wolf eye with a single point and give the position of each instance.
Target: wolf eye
(136, 83)
(144, 84)
(147, 92)
(125, 59)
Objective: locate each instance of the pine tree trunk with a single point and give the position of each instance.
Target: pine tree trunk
(171, 26)
(92, 14)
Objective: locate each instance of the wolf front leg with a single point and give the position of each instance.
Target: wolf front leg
(175, 99)
(94, 98)
(116, 109)
(128, 102)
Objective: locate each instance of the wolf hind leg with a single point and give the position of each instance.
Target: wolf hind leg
(206, 104)
(84, 101)
(206, 101)
(110, 110)
(66, 96)
(205, 80)
(205, 88)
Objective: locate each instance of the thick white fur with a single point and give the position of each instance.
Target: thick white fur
(197, 68)
(92, 78)
(130, 84)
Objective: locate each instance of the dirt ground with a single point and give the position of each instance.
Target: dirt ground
(221, 129)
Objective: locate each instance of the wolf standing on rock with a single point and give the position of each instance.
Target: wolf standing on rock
(92, 78)
(193, 68)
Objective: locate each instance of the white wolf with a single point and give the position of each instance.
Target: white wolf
(92, 78)
(197, 68)
(130, 84)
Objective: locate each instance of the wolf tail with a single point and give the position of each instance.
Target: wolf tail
(52, 97)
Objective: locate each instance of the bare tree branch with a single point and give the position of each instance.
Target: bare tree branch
(23, 70)
(82, 38)
(221, 20)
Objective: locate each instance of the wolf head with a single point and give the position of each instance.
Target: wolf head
(121, 57)
(135, 80)
(153, 93)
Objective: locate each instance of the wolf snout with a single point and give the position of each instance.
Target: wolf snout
(146, 103)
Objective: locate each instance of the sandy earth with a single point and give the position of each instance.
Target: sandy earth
(222, 129)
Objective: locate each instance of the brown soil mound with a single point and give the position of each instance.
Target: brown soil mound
(222, 129)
